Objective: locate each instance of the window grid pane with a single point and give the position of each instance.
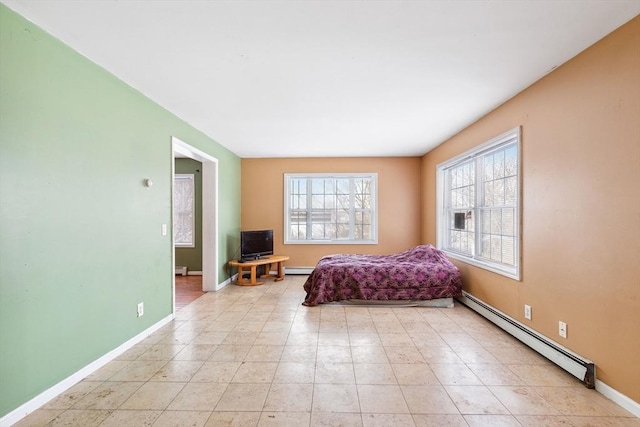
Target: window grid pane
(479, 217)
(340, 208)
(184, 210)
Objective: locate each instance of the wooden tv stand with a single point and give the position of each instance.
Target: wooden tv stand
(251, 266)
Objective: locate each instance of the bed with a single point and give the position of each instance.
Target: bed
(422, 273)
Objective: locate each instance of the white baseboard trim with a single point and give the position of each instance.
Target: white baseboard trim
(44, 397)
(226, 282)
(562, 360)
(619, 398)
(298, 270)
(194, 273)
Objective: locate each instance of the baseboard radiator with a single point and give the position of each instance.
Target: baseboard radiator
(581, 368)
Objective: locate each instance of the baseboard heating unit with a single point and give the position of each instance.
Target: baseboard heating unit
(583, 369)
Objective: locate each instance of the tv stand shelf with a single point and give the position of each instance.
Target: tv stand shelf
(251, 266)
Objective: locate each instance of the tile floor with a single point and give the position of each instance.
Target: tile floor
(254, 356)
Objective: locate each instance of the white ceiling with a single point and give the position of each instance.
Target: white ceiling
(329, 78)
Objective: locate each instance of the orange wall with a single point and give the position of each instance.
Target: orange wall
(398, 202)
(581, 206)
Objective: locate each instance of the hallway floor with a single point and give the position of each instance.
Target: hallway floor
(254, 356)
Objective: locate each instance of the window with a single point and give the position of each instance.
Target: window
(184, 210)
(479, 205)
(330, 208)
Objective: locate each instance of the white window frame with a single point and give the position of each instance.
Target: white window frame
(309, 241)
(443, 220)
(176, 212)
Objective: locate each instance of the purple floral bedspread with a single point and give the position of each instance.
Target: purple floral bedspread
(420, 273)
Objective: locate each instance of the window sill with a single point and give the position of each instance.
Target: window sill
(511, 273)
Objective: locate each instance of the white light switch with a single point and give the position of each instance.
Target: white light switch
(164, 229)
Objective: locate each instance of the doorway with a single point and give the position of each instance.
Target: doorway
(209, 229)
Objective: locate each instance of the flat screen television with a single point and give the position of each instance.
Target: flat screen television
(254, 244)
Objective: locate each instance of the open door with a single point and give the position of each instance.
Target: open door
(209, 213)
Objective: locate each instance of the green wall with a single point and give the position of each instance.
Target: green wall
(192, 257)
(80, 235)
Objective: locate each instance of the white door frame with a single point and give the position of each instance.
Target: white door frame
(209, 213)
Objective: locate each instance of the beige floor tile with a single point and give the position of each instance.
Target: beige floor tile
(459, 340)
(153, 395)
(39, 418)
(404, 354)
(299, 353)
(180, 337)
(333, 338)
(134, 352)
(70, 397)
(382, 399)
(523, 400)
(129, 418)
(289, 398)
(240, 338)
(369, 354)
(277, 326)
(335, 398)
(302, 338)
(428, 400)
(220, 372)
(264, 353)
(364, 339)
(109, 395)
(491, 421)
(544, 421)
(198, 397)
(108, 370)
(229, 353)
(272, 338)
(339, 326)
(580, 401)
(295, 373)
(386, 420)
(604, 421)
(454, 374)
(427, 339)
(284, 419)
(545, 375)
(243, 397)
(161, 352)
(361, 327)
(378, 373)
(334, 373)
(439, 420)
(332, 419)
(474, 355)
(177, 371)
(517, 355)
(249, 356)
(475, 400)
(401, 339)
(414, 374)
(334, 353)
(439, 354)
(195, 352)
(80, 417)
(255, 372)
(138, 370)
(495, 374)
(233, 419)
(182, 419)
(210, 338)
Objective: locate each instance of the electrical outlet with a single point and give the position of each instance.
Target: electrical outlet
(140, 309)
(163, 229)
(527, 312)
(562, 329)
